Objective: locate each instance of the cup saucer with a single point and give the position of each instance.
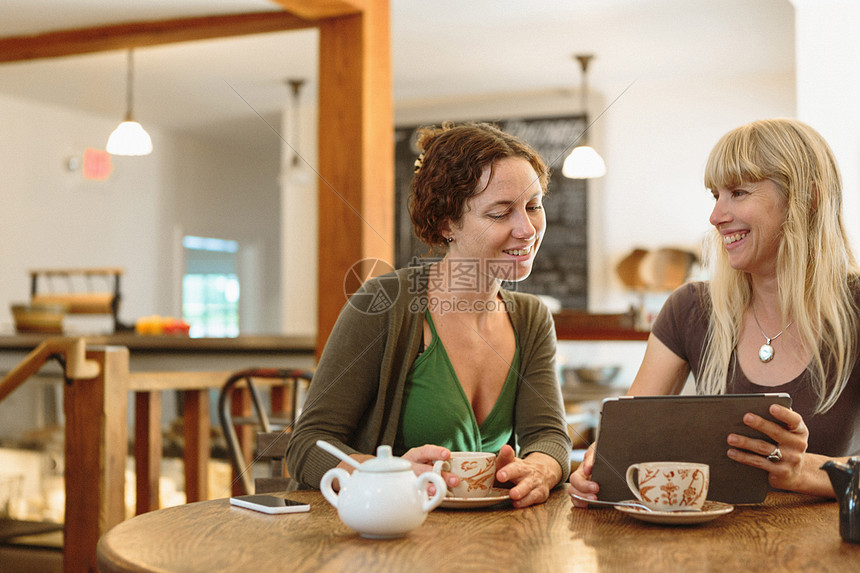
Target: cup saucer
(710, 510)
(498, 495)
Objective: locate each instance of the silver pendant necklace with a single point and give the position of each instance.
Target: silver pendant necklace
(766, 352)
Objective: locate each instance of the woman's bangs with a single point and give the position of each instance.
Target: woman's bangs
(732, 163)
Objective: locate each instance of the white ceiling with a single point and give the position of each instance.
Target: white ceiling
(441, 50)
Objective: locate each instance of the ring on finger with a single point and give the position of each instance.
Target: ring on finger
(775, 456)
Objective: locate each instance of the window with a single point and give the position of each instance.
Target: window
(210, 287)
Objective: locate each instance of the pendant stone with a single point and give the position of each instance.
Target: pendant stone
(765, 353)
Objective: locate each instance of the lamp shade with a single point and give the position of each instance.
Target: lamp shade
(129, 138)
(583, 163)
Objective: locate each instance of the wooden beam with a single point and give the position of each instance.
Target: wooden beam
(356, 152)
(137, 34)
(319, 9)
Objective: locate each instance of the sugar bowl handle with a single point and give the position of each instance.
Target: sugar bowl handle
(441, 490)
(339, 474)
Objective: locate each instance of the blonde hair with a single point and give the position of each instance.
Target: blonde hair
(816, 270)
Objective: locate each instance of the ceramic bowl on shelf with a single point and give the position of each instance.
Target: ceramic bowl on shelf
(604, 375)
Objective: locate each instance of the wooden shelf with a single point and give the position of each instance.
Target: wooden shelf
(577, 325)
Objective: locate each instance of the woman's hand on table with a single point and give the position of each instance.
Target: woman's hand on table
(580, 480)
(797, 470)
(534, 476)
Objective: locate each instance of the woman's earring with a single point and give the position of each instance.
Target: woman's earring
(450, 239)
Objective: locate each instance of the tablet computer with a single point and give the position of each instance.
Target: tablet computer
(635, 429)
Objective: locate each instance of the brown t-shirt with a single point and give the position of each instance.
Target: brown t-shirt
(682, 325)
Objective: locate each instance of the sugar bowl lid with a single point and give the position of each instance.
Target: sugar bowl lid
(385, 461)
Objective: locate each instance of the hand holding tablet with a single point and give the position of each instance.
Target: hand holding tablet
(681, 429)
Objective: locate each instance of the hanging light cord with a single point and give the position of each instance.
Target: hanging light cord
(296, 86)
(129, 87)
(583, 62)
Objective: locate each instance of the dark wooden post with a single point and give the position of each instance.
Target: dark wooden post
(96, 449)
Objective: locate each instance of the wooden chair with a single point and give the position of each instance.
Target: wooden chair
(273, 447)
(275, 428)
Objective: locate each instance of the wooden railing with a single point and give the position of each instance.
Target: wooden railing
(95, 407)
(95, 401)
(70, 350)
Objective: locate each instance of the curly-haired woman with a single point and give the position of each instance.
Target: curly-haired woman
(439, 357)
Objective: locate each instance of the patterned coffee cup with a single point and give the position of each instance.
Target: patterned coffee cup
(669, 486)
(476, 470)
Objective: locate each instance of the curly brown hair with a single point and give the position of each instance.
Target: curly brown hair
(449, 170)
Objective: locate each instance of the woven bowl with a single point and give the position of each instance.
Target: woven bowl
(39, 318)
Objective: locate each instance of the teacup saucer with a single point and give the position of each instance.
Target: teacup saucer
(498, 496)
(710, 510)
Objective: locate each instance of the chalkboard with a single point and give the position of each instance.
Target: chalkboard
(561, 267)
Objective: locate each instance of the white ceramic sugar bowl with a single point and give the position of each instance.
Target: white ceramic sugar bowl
(383, 498)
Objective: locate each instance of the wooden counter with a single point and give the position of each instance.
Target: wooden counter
(169, 344)
(180, 353)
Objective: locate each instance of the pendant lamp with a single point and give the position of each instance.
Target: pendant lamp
(129, 138)
(295, 171)
(295, 89)
(584, 162)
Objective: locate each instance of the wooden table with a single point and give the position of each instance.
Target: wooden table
(787, 533)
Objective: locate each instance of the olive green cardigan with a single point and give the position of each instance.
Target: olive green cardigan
(355, 398)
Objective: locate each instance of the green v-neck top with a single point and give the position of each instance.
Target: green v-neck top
(437, 411)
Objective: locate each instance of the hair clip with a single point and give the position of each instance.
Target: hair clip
(419, 163)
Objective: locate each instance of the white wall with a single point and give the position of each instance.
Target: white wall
(658, 137)
(230, 192)
(53, 217)
(828, 88)
(299, 221)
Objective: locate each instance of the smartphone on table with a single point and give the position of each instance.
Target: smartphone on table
(269, 504)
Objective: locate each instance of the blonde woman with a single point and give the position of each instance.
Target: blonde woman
(780, 313)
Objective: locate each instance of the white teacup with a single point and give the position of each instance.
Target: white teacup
(476, 470)
(669, 486)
